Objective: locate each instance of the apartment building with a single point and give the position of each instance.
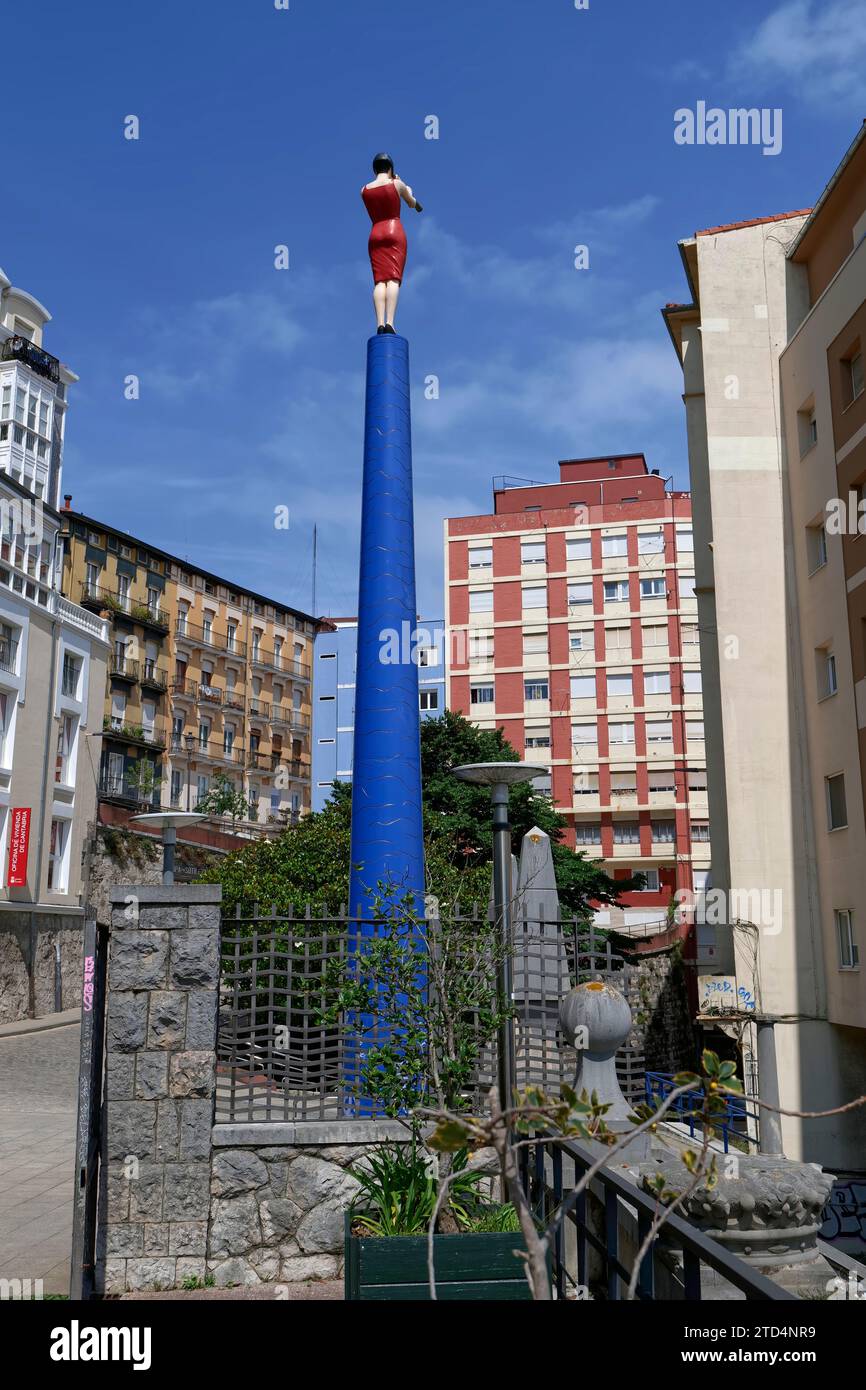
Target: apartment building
(572, 624)
(771, 347)
(334, 656)
(205, 677)
(52, 676)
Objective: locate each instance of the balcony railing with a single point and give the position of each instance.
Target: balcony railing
(97, 596)
(151, 735)
(283, 665)
(258, 761)
(154, 676)
(183, 690)
(232, 700)
(212, 751)
(292, 718)
(199, 636)
(209, 694)
(123, 667)
(8, 655)
(127, 791)
(260, 710)
(21, 349)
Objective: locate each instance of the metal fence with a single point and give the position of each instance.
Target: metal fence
(286, 1053)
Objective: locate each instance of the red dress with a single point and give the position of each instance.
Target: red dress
(387, 244)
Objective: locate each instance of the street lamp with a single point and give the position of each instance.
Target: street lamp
(169, 822)
(189, 740)
(499, 777)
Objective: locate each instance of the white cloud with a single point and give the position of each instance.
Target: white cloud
(817, 45)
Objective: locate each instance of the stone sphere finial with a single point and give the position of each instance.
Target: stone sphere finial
(596, 1020)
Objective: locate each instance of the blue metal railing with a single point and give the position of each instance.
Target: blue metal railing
(592, 1264)
(731, 1122)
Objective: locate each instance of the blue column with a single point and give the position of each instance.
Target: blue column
(387, 839)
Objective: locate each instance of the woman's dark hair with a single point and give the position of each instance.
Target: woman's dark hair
(383, 164)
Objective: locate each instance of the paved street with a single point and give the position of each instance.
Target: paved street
(38, 1098)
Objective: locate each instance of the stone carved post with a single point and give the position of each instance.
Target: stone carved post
(163, 997)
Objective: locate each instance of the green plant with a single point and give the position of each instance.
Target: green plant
(399, 1188)
(223, 799)
(501, 1217)
(192, 1281)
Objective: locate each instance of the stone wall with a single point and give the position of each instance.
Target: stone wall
(28, 942)
(160, 1057)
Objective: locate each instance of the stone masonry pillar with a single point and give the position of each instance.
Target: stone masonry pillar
(163, 997)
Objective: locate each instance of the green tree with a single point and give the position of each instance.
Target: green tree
(223, 799)
(310, 862)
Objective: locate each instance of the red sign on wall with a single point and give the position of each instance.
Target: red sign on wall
(19, 844)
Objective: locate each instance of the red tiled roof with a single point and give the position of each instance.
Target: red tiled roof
(754, 222)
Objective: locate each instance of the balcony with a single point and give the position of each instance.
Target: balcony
(126, 792)
(145, 735)
(212, 751)
(19, 349)
(154, 676)
(205, 637)
(96, 596)
(209, 694)
(282, 665)
(232, 700)
(291, 718)
(183, 690)
(260, 710)
(122, 668)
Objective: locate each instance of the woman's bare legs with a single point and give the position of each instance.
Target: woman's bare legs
(380, 302)
(392, 294)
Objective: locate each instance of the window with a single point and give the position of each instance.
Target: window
(118, 709)
(691, 634)
(651, 884)
(534, 595)
(228, 739)
(697, 779)
(64, 770)
(537, 738)
(57, 867)
(480, 600)
(662, 781)
(617, 639)
(203, 733)
(658, 731)
(231, 636)
(852, 368)
(578, 549)
(580, 641)
(428, 699)
(202, 787)
(583, 733)
(816, 547)
(652, 588)
(579, 593)
(623, 783)
(534, 643)
(586, 784)
(616, 592)
(685, 538)
(849, 957)
(692, 682)
(70, 676)
(614, 545)
(663, 831)
(650, 543)
(621, 733)
(541, 786)
(536, 690)
(657, 682)
(837, 811)
(694, 730)
(532, 553)
(481, 646)
(825, 672)
(626, 832)
(587, 834)
(176, 788)
(655, 634)
(618, 684)
(428, 656)
(481, 694)
(701, 831)
(582, 687)
(480, 557)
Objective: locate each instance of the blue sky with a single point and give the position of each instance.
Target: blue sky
(156, 256)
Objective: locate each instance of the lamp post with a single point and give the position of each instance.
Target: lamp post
(499, 777)
(168, 822)
(189, 740)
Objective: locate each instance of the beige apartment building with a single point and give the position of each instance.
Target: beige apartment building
(205, 678)
(776, 419)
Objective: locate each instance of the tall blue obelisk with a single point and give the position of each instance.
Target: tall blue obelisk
(387, 838)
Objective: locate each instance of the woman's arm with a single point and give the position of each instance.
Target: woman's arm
(406, 194)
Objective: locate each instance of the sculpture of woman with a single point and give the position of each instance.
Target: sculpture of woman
(387, 244)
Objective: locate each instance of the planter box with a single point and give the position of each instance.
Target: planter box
(469, 1267)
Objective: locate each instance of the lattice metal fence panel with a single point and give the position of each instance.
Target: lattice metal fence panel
(278, 1059)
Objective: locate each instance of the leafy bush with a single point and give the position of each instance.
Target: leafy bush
(398, 1193)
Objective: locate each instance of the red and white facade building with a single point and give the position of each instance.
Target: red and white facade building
(573, 625)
